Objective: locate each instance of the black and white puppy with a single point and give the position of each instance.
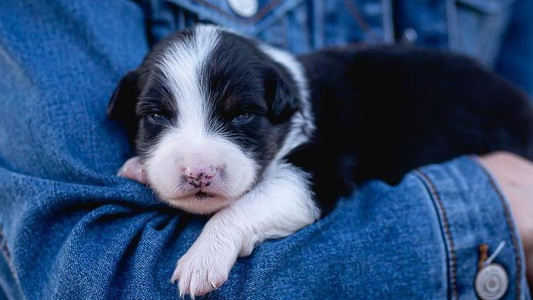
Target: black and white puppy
(213, 115)
(228, 126)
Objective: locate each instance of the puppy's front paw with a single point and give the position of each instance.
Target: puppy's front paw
(132, 169)
(201, 271)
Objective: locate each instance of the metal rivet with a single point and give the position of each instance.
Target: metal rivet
(409, 35)
(244, 8)
(491, 282)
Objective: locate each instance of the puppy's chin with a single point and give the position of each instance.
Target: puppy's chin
(201, 204)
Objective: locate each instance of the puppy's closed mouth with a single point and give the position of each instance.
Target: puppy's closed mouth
(203, 195)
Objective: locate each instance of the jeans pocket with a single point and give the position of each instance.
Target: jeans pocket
(480, 26)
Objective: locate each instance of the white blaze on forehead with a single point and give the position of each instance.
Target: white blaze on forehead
(182, 65)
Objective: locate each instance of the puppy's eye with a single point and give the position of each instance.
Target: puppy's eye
(159, 118)
(241, 118)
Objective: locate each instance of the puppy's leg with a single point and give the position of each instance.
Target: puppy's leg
(279, 205)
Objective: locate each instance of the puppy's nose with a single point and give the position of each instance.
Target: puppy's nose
(200, 175)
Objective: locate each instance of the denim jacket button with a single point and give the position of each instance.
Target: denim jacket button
(409, 35)
(491, 282)
(244, 8)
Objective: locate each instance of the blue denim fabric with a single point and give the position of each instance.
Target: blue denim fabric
(515, 61)
(71, 229)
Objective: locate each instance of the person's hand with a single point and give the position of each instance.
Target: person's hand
(515, 176)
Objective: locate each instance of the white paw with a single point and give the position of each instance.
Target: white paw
(132, 169)
(202, 270)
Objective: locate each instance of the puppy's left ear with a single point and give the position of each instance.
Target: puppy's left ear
(281, 95)
(122, 104)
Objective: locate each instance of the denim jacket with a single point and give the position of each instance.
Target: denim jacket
(71, 229)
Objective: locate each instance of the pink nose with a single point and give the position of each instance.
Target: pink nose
(200, 176)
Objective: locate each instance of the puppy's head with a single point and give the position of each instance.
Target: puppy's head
(208, 110)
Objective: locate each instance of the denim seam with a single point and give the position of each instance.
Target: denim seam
(446, 228)
(354, 12)
(451, 19)
(284, 32)
(510, 224)
(5, 252)
(318, 24)
(3, 245)
(388, 23)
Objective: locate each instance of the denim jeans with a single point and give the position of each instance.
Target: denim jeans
(71, 229)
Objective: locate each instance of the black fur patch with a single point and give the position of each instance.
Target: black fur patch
(243, 80)
(383, 111)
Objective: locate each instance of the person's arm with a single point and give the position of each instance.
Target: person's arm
(514, 175)
(418, 240)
